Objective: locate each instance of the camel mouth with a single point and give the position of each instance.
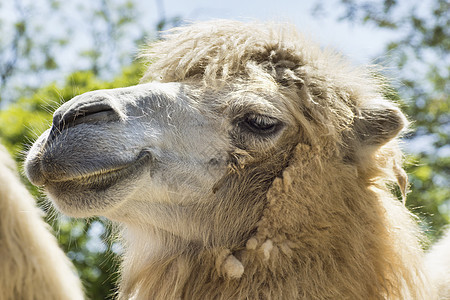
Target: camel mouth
(101, 179)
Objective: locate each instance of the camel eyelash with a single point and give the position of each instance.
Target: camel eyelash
(260, 124)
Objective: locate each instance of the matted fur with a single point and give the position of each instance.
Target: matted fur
(32, 266)
(330, 228)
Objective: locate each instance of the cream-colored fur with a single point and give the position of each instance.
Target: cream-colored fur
(254, 166)
(32, 266)
(438, 263)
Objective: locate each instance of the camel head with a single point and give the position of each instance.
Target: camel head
(215, 120)
(237, 130)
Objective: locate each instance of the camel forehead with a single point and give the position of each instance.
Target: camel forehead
(222, 49)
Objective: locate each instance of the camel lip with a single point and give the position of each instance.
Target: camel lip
(102, 179)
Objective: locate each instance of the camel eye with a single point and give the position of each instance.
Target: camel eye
(261, 124)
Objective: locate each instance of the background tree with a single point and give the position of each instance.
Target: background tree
(42, 39)
(421, 57)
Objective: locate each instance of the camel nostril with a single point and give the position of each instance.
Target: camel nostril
(84, 113)
(94, 113)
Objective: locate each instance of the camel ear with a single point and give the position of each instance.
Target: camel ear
(376, 126)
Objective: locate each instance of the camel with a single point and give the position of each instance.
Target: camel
(248, 164)
(32, 266)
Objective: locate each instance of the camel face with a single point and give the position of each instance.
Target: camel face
(257, 167)
(114, 152)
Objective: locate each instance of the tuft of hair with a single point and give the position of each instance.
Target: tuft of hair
(32, 266)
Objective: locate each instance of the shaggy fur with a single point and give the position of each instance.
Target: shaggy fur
(258, 167)
(329, 229)
(32, 266)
